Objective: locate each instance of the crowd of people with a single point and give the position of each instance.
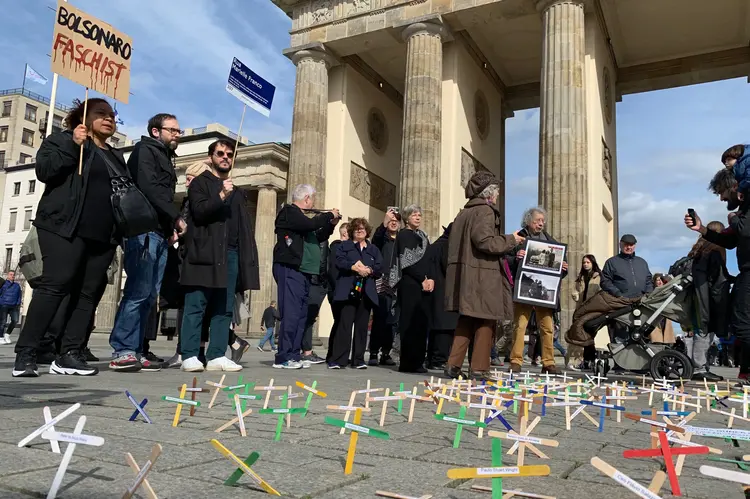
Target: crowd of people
(443, 300)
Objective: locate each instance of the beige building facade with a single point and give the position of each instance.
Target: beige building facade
(400, 101)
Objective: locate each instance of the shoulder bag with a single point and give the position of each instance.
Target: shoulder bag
(133, 214)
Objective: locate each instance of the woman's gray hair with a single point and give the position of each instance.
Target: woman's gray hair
(528, 215)
(302, 191)
(410, 210)
(489, 192)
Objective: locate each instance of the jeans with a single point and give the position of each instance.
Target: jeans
(6, 311)
(697, 349)
(144, 259)
(294, 291)
(219, 304)
(556, 344)
(268, 337)
(75, 267)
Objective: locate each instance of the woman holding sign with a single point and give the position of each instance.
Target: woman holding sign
(77, 235)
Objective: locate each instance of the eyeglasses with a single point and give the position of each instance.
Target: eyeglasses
(360, 229)
(174, 131)
(220, 154)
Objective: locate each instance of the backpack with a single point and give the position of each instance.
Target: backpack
(30, 258)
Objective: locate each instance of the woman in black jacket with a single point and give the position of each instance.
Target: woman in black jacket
(76, 229)
(442, 323)
(711, 280)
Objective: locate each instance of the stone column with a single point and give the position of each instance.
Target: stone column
(265, 216)
(563, 158)
(309, 122)
(420, 149)
(107, 309)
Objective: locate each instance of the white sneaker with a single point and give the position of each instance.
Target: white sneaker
(305, 364)
(222, 364)
(192, 365)
(6, 339)
(289, 364)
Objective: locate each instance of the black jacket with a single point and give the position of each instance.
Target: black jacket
(270, 316)
(712, 282)
(61, 204)
(626, 276)
(333, 271)
(206, 241)
(347, 254)
(437, 253)
(291, 227)
(736, 236)
(152, 167)
(385, 244)
(514, 262)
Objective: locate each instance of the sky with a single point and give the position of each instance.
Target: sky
(669, 143)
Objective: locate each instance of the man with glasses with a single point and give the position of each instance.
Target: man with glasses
(152, 168)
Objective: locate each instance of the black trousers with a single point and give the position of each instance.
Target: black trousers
(439, 346)
(413, 325)
(52, 341)
(741, 318)
(383, 327)
(356, 315)
(77, 267)
(314, 301)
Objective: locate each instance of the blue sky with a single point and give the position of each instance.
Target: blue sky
(668, 142)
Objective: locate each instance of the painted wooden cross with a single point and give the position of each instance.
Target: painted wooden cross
(139, 408)
(666, 452)
(269, 389)
(604, 408)
(626, 481)
(356, 429)
(414, 399)
(217, 387)
(194, 390)
(312, 390)
(231, 390)
(524, 440)
(49, 423)
(385, 399)
(460, 422)
(140, 473)
(237, 419)
(180, 401)
(72, 439)
(245, 468)
(286, 410)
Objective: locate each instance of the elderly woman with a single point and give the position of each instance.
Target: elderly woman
(477, 285)
(533, 222)
(359, 264)
(410, 275)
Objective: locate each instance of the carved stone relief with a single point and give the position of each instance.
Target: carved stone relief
(469, 166)
(481, 114)
(606, 165)
(352, 7)
(321, 11)
(370, 188)
(377, 130)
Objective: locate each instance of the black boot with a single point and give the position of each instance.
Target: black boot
(453, 372)
(72, 362)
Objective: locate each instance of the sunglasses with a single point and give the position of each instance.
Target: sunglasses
(220, 154)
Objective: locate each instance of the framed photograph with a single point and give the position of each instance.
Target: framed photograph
(537, 289)
(544, 256)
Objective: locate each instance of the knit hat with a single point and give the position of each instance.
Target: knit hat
(479, 182)
(196, 168)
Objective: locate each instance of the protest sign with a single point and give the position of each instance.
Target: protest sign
(90, 52)
(249, 88)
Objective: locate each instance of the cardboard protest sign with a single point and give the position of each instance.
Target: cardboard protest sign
(90, 52)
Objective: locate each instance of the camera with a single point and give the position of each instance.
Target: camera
(395, 210)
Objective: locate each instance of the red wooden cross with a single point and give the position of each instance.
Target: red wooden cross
(667, 452)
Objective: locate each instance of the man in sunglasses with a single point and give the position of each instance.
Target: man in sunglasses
(152, 168)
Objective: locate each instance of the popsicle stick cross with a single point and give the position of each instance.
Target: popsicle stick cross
(284, 410)
(356, 429)
(49, 423)
(72, 439)
(385, 399)
(194, 390)
(217, 387)
(604, 408)
(139, 408)
(666, 452)
(524, 440)
(180, 401)
(140, 473)
(460, 421)
(237, 419)
(244, 388)
(312, 390)
(235, 477)
(244, 467)
(624, 480)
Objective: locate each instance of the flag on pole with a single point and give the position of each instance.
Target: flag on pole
(32, 75)
(118, 120)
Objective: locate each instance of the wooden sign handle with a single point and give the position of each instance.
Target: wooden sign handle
(85, 108)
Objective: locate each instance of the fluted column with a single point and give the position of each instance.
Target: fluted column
(307, 154)
(420, 149)
(563, 161)
(107, 309)
(265, 215)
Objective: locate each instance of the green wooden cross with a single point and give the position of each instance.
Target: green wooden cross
(497, 461)
(234, 477)
(282, 411)
(460, 421)
(232, 389)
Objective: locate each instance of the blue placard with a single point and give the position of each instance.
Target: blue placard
(250, 88)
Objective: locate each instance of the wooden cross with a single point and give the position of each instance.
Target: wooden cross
(49, 423)
(356, 429)
(604, 408)
(285, 410)
(72, 439)
(217, 386)
(269, 389)
(238, 419)
(626, 481)
(366, 393)
(460, 422)
(180, 401)
(312, 391)
(666, 452)
(385, 399)
(524, 440)
(139, 409)
(193, 390)
(235, 477)
(234, 389)
(244, 467)
(140, 473)
(582, 410)
(414, 399)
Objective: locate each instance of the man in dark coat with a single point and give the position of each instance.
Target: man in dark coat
(296, 258)
(443, 323)
(221, 259)
(152, 168)
(384, 316)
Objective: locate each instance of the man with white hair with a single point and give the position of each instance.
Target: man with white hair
(296, 258)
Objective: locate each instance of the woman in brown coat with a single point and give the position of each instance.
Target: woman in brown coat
(477, 285)
(586, 286)
(664, 330)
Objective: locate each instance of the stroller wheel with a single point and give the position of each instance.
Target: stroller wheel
(671, 364)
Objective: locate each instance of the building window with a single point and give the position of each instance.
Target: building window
(57, 121)
(27, 219)
(2, 158)
(8, 258)
(13, 220)
(27, 137)
(3, 134)
(7, 105)
(16, 188)
(32, 186)
(30, 113)
(23, 158)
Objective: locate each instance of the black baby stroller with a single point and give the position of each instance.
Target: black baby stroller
(673, 301)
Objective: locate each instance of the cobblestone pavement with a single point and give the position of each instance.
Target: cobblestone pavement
(309, 460)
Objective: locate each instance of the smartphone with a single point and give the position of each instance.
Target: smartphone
(523, 233)
(691, 214)
(394, 208)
